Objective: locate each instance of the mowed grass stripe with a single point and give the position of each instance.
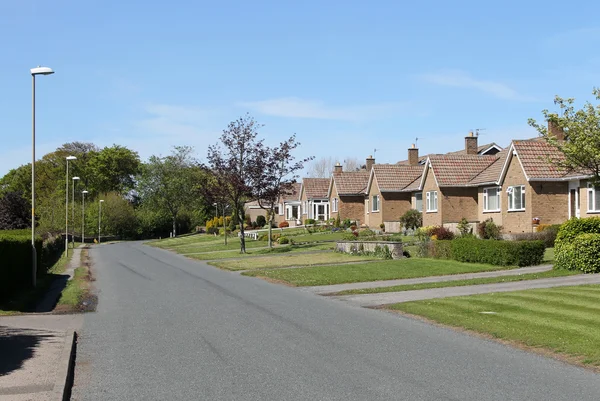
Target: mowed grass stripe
(564, 319)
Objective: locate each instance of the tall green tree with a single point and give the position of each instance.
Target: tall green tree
(170, 183)
(15, 212)
(581, 143)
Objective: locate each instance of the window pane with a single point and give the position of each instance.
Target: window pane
(419, 201)
(493, 199)
(597, 199)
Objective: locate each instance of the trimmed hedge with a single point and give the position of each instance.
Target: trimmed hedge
(583, 253)
(15, 261)
(567, 248)
(499, 253)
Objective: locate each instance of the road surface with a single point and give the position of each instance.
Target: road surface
(169, 328)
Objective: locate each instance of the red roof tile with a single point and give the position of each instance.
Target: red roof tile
(351, 182)
(459, 170)
(396, 177)
(538, 159)
(316, 188)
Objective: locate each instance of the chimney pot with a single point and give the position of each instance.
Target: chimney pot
(471, 144)
(370, 162)
(337, 168)
(413, 155)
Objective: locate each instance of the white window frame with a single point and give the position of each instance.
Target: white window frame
(367, 204)
(592, 193)
(280, 209)
(416, 207)
(486, 198)
(375, 202)
(334, 205)
(510, 192)
(305, 208)
(432, 201)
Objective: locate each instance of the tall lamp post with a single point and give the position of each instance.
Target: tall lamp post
(99, 217)
(75, 179)
(34, 71)
(67, 206)
(83, 215)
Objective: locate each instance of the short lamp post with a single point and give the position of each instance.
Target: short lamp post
(34, 71)
(83, 216)
(75, 179)
(99, 217)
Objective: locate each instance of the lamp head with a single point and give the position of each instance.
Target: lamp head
(84, 192)
(71, 158)
(41, 71)
(75, 178)
(101, 200)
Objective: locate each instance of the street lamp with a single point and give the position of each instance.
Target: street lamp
(34, 71)
(99, 217)
(83, 215)
(67, 206)
(73, 210)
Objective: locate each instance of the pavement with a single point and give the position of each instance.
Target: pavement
(35, 348)
(370, 300)
(34, 352)
(170, 328)
(328, 289)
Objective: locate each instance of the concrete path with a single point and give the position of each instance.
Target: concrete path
(33, 350)
(369, 300)
(328, 289)
(170, 328)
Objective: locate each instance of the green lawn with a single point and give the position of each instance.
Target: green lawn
(73, 292)
(298, 259)
(549, 256)
(564, 320)
(232, 244)
(380, 270)
(461, 283)
(318, 237)
(283, 249)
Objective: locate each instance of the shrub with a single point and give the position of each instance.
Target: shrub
(337, 223)
(564, 247)
(16, 266)
(366, 233)
(212, 230)
(263, 237)
(489, 230)
(548, 236)
(308, 222)
(283, 240)
(353, 227)
(284, 224)
(412, 219)
(586, 252)
(441, 233)
(347, 223)
(261, 221)
(441, 249)
(382, 226)
(464, 228)
(500, 253)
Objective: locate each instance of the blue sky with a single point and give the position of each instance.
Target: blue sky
(347, 77)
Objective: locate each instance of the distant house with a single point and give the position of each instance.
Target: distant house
(314, 199)
(289, 208)
(347, 192)
(392, 189)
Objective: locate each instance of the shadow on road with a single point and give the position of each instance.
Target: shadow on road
(17, 346)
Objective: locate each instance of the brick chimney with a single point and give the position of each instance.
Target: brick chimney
(471, 144)
(555, 131)
(370, 162)
(413, 155)
(337, 168)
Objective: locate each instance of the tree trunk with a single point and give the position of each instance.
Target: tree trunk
(242, 238)
(271, 230)
(174, 227)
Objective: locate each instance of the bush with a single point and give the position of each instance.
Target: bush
(441, 233)
(261, 221)
(337, 223)
(212, 230)
(586, 253)
(489, 230)
(263, 237)
(347, 223)
(283, 240)
(464, 228)
(412, 219)
(500, 253)
(284, 224)
(548, 236)
(309, 222)
(441, 249)
(16, 266)
(366, 233)
(564, 247)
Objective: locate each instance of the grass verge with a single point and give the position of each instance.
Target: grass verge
(562, 320)
(380, 270)
(299, 259)
(77, 295)
(294, 249)
(461, 283)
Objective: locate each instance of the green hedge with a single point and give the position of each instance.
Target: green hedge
(567, 248)
(584, 253)
(493, 252)
(15, 259)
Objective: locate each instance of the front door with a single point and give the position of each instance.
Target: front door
(574, 200)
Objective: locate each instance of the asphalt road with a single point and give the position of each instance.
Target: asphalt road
(168, 328)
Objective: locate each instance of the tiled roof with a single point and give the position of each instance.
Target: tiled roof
(316, 188)
(457, 152)
(293, 194)
(396, 177)
(459, 170)
(538, 160)
(351, 182)
(492, 173)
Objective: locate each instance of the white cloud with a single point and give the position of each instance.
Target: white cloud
(314, 109)
(460, 79)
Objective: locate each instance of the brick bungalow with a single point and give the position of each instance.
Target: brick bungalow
(314, 200)
(347, 192)
(392, 190)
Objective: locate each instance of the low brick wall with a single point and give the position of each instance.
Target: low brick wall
(369, 246)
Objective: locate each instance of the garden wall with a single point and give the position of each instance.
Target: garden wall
(370, 246)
